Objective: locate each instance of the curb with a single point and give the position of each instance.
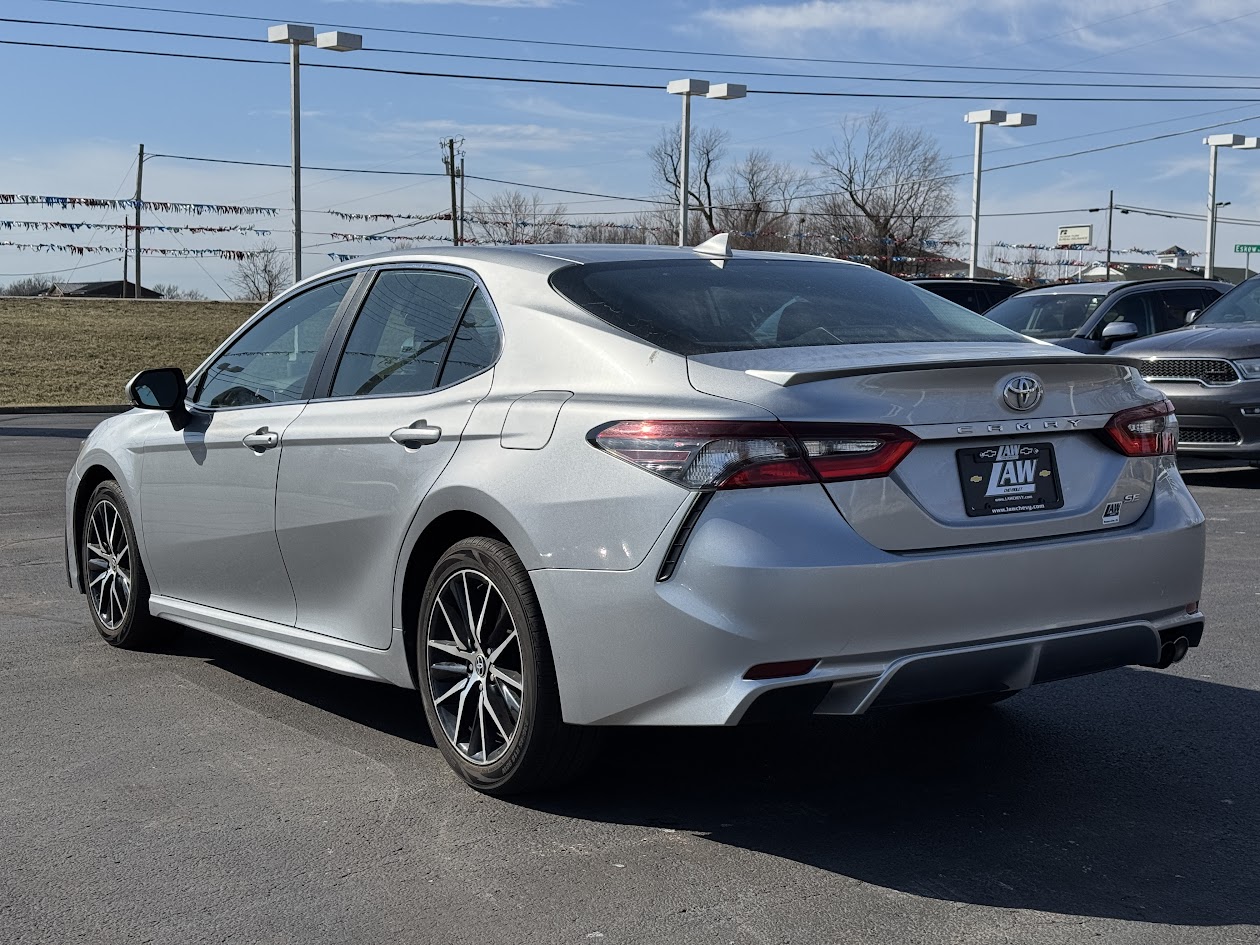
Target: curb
(76, 408)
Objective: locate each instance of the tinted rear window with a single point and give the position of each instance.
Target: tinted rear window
(700, 306)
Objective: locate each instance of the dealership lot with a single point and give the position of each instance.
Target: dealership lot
(208, 792)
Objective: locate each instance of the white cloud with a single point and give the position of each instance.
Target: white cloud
(1082, 23)
(485, 137)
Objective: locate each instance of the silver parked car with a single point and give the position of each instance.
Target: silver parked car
(555, 488)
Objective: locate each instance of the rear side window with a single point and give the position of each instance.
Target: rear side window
(476, 343)
(700, 306)
(400, 337)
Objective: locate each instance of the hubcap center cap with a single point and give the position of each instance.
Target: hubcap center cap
(479, 666)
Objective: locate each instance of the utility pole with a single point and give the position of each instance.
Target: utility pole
(1111, 206)
(461, 200)
(139, 201)
(448, 161)
(122, 292)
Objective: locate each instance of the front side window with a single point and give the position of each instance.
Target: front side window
(1240, 306)
(1046, 314)
(701, 306)
(270, 363)
(401, 335)
(1134, 310)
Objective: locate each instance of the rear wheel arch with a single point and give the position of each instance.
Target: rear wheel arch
(429, 547)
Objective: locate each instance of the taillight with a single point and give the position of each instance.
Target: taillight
(720, 454)
(1149, 430)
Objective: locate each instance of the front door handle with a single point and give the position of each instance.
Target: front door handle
(415, 437)
(262, 439)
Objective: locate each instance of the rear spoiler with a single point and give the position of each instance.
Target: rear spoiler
(792, 378)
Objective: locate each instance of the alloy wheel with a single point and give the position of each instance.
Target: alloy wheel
(473, 655)
(109, 564)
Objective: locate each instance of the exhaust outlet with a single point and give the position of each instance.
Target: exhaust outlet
(1173, 652)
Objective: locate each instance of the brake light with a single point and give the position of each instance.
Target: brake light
(720, 454)
(1149, 430)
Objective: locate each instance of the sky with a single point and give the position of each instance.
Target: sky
(76, 117)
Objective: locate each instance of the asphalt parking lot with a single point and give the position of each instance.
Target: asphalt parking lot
(211, 793)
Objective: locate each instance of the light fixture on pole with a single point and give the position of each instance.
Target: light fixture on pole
(987, 116)
(1214, 143)
(296, 35)
(687, 88)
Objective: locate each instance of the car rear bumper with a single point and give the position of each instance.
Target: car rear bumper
(777, 575)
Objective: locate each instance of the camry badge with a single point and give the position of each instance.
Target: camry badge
(1022, 392)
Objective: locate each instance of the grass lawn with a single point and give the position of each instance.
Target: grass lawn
(82, 351)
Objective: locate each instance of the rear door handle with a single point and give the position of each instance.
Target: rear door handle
(415, 437)
(262, 439)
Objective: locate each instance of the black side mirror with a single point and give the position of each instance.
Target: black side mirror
(160, 389)
(1117, 332)
(1192, 315)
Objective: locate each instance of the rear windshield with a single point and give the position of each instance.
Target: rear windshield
(1045, 315)
(1239, 307)
(696, 306)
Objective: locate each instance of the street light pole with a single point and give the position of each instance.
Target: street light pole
(986, 116)
(296, 35)
(687, 88)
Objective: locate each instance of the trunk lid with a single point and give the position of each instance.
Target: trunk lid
(951, 396)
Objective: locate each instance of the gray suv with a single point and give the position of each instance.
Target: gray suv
(1210, 370)
(1095, 316)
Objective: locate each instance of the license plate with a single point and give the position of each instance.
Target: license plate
(1009, 477)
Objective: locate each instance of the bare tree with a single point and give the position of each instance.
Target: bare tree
(516, 217)
(30, 285)
(757, 205)
(708, 150)
(1032, 269)
(886, 192)
(261, 275)
(169, 290)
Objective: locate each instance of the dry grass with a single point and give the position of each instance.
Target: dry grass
(82, 351)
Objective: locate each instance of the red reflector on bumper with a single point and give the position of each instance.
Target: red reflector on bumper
(780, 670)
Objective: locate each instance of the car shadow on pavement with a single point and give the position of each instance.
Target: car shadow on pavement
(1131, 795)
(385, 708)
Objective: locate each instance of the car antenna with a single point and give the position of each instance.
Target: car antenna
(715, 246)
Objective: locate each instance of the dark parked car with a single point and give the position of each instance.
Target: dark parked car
(979, 295)
(1210, 370)
(1095, 316)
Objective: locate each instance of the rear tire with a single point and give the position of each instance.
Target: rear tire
(113, 576)
(487, 681)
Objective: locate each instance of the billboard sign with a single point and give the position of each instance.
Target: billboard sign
(1075, 235)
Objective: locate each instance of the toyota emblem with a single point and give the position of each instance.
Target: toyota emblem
(1022, 392)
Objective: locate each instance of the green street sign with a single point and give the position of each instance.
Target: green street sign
(1247, 247)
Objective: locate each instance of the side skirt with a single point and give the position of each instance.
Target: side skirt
(314, 649)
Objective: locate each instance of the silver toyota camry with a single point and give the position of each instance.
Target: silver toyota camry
(556, 488)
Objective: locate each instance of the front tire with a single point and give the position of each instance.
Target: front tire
(486, 677)
(114, 581)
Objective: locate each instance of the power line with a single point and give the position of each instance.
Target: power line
(305, 167)
(515, 40)
(1233, 86)
(587, 83)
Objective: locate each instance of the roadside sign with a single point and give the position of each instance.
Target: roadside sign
(1075, 235)
(1247, 247)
